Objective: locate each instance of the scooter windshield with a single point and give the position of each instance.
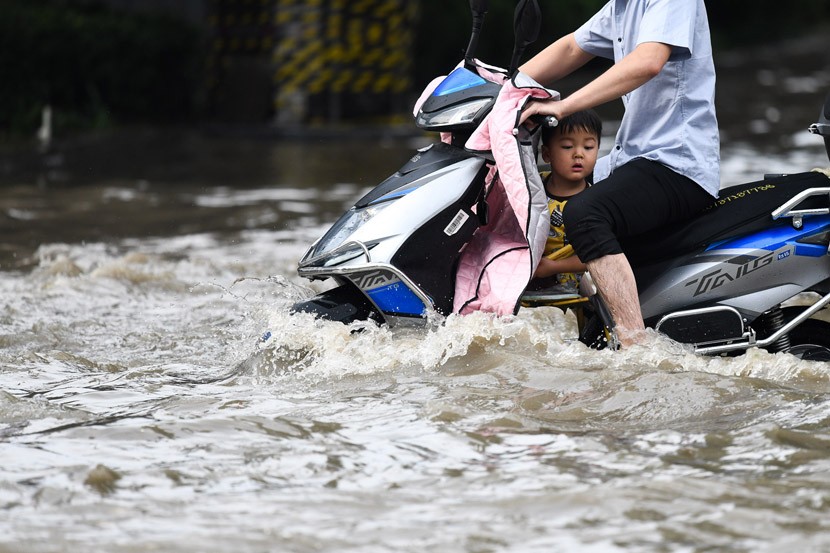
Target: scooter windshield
(460, 79)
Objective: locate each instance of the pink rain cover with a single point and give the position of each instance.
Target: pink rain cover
(499, 261)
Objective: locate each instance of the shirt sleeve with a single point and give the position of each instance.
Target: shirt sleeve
(671, 22)
(595, 35)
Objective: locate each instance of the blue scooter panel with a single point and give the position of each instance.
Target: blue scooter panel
(775, 237)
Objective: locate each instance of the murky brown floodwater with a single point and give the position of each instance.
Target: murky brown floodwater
(137, 414)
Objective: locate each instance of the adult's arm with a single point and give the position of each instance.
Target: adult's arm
(631, 72)
(556, 61)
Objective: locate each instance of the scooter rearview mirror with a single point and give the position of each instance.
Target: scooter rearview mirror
(479, 9)
(527, 21)
(479, 6)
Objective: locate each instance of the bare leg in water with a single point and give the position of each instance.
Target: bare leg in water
(615, 282)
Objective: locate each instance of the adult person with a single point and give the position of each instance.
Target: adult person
(664, 164)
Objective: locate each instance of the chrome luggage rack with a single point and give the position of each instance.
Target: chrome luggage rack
(749, 339)
(788, 209)
(797, 215)
(821, 129)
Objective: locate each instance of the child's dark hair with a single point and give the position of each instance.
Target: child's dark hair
(586, 120)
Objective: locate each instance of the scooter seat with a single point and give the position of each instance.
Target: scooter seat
(739, 210)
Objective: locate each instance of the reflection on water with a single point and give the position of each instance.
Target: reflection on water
(138, 412)
(184, 182)
(770, 94)
(265, 185)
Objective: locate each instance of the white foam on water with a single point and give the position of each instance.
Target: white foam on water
(141, 355)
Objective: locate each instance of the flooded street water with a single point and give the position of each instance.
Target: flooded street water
(138, 412)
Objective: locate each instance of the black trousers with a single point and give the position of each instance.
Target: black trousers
(639, 196)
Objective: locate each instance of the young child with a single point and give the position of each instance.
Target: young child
(571, 149)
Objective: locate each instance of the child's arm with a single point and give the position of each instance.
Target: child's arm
(549, 267)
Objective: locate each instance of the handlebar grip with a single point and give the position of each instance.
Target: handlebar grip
(545, 120)
(542, 121)
(550, 121)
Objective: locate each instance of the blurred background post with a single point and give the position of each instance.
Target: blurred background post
(295, 62)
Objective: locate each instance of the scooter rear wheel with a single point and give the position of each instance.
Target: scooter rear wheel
(811, 340)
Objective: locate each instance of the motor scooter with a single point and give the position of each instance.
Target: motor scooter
(753, 270)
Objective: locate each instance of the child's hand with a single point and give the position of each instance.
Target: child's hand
(547, 268)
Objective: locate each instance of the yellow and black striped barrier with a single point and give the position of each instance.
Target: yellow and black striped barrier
(325, 51)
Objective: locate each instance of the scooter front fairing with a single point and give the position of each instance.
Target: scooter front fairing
(398, 245)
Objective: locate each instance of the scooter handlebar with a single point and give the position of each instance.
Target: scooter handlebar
(549, 121)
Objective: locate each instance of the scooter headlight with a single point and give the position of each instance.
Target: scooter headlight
(453, 116)
(341, 231)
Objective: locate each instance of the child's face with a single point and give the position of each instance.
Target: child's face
(572, 155)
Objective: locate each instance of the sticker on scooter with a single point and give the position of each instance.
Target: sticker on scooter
(374, 279)
(718, 278)
(456, 223)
